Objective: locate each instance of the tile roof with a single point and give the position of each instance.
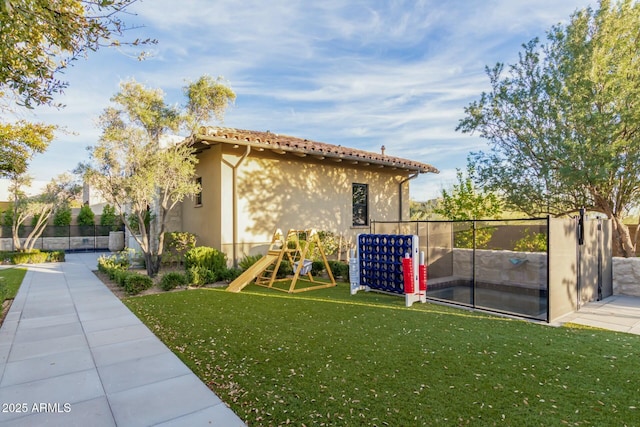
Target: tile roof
(302, 147)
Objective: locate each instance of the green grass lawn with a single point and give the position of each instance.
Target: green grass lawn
(327, 358)
(10, 280)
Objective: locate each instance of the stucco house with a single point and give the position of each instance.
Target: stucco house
(254, 182)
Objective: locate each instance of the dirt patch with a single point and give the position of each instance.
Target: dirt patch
(6, 305)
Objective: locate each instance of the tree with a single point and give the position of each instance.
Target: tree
(40, 39)
(108, 217)
(59, 191)
(421, 211)
(86, 215)
(136, 175)
(62, 216)
(19, 141)
(465, 203)
(563, 123)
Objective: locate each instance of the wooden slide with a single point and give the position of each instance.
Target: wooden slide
(252, 272)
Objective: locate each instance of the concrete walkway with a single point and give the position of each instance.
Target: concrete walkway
(71, 354)
(617, 313)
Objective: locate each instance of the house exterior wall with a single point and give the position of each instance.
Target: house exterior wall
(286, 192)
(204, 220)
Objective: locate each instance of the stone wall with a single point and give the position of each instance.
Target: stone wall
(528, 269)
(626, 276)
(497, 267)
(62, 243)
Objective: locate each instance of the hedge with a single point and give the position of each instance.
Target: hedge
(33, 257)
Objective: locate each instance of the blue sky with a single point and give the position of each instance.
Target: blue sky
(358, 73)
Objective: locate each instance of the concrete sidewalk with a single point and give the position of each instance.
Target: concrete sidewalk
(617, 313)
(71, 354)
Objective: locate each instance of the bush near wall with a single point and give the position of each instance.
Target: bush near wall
(339, 269)
(117, 268)
(172, 280)
(35, 256)
(204, 265)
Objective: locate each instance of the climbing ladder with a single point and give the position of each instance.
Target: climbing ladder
(295, 248)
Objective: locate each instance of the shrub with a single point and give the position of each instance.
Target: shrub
(248, 261)
(230, 274)
(317, 267)
(199, 276)
(35, 256)
(339, 269)
(206, 258)
(86, 216)
(284, 270)
(176, 245)
(55, 256)
(119, 261)
(172, 280)
(121, 276)
(136, 283)
(32, 257)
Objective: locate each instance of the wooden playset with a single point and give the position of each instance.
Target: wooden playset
(296, 248)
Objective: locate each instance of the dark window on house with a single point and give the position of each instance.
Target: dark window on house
(360, 205)
(199, 194)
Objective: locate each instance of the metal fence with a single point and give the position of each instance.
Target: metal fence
(532, 268)
(72, 238)
(493, 265)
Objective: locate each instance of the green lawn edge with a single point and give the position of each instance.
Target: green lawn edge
(327, 358)
(10, 281)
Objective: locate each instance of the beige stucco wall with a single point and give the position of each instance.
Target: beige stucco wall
(283, 191)
(204, 220)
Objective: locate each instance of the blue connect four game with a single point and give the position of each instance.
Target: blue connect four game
(380, 260)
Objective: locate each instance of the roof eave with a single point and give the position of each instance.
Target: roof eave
(318, 154)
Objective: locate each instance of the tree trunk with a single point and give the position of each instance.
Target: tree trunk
(152, 262)
(17, 246)
(623, 237)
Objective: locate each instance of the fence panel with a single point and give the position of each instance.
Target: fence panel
(494, 265)
(510, 274)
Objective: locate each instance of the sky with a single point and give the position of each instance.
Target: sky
(357, 73)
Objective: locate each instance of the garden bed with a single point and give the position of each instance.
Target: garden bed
(155, 289)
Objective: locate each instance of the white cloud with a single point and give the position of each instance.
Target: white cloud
(361, 73)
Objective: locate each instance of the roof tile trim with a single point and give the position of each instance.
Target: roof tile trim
(292, 144)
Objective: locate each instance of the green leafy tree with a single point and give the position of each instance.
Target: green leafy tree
(40, 39)
(109, 218)
(7, 218)
(421, 211)
(465, 202)
(532, 242)
(134, 173)
(19, 141)
(86, 216)
(59, 191)
(62, 216)
(563, 122)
